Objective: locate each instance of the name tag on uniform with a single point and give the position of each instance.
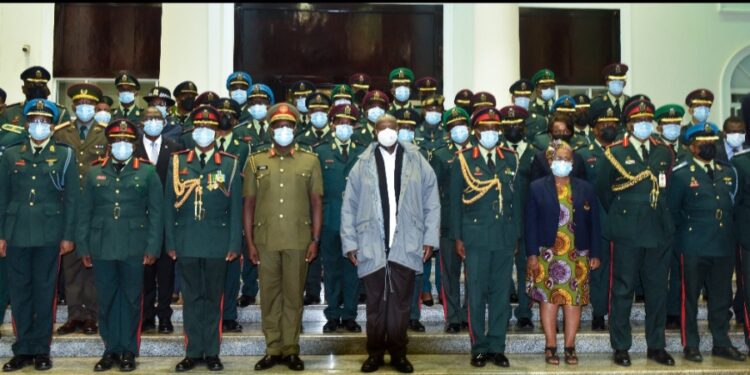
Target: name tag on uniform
(262, 167)
(20, 163)
(247, 138)
(629, 161)
(184, 171)
(662, 180)
(101, 178)
(591, 160)
(329, 161)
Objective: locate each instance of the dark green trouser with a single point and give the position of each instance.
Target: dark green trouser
(282, 282)
(488, 277)
(249, 277)
(32, 280)
(340, 278)
(629, 266)
(231, 289)
(745, 260)
(203, 293)
(119, 294)
(3, 289)
(599, 283)
(523, 310)
(716, 274)
(450, 265)
(674, 305)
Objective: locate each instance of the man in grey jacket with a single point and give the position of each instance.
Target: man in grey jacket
(390, 223)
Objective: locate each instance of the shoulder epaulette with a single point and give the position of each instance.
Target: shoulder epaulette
(613, 144)
(680, 165)
(99, 161)
(509, 149)
(102, 124)
(181, 151)
(145, 161)
(62, 144)
(655, 141)
(18, 129)
(62, 126)
(306, 149)
(228, 154)
(743, 152)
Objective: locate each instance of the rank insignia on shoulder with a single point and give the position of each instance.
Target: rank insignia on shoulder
(693, 182)
(728, 180)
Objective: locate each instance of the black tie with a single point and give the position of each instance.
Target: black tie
(118, 167)
(710, 171)
(515, 147)
(37, 151)
(262, 132)
(644, 152)
(82, 133)
(221, 144)
(319, 134)
(203, 160)
(345, 151)
(490, 163)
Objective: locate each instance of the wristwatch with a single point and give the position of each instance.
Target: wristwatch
(316, 240)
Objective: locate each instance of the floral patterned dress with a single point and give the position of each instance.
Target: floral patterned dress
(563, 270)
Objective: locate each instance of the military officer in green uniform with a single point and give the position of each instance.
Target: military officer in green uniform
(401, 80)
(741, 163)
(337, 155)
(39, 190)
(463, 100)
(544, 93)
(705, 239)
(430, 134)
(297, 96)
(14, 134)
(513, 125)
(205, 98)
(485, 223)
(127, 87)
(254, 129)
(482, 100)
(565, 105)
(227, 142)
(581, 125)
(203, 222)
(238, 84)
(699, 104)
(318, 131)
(374, 105)
(283, 214)
(520, 95)
(119, 231)
(360, 83)
(426, 87)
(184, 95)
(632, 186)
(35, 81)
(86, 137)
(103, 110)
(615, 78)
(604, 125)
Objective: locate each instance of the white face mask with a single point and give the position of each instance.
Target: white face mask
(102, 117)
(374, 113)
(203, 136)
(283, 136)
(153, 127)
(735, 140)
(387, 137)
(122, 150)
(40, 130)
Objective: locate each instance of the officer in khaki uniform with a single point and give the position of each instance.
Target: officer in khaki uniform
(401, 80)
(705, 239)
(89, 143)
(203, 225)
(283, 191)
(127, 86)
(119, 230)
(39, 190)
(35, 81)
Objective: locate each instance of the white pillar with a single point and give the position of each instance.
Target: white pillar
(496, 57)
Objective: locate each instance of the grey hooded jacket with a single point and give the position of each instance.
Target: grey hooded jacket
(417, 219)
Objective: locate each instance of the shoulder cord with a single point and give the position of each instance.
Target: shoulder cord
(633, 180)
(183, 189)
(479, 187)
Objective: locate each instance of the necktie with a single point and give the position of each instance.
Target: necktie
(37, 151)
(261, 132)
(203, 160)
(644, 152)
(319, 134)
(118, 167)
(515, 147)
(674, 151)
(154, 152)
(82, 133)
(490, 163)
(221, 144)
(345, 151)
(710, 171)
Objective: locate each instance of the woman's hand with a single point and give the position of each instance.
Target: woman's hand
(532, 267)
(594, 263)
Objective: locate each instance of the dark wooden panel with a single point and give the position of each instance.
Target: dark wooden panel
(575, 43)
(98, 40)
(326, 43)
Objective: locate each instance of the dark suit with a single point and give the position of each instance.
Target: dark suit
(540, 167)
(158, 277)
(543, 213)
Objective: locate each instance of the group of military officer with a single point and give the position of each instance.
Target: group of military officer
(656, 178)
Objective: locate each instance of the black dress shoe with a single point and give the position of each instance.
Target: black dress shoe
(311, 300)
(89, 327)
(186, 364)
(693, 355)
(513, 298)
(18, 362)
(214, 363)
(372, 364)
(453, 328)
(416, 326)
(402, 364)
(640, 298)
(728, 352)
(464, 325)
(673, 322)
(597, 324)
(108, 360)
(69, 327)
(660, 356)
(331, 326)
(267, 362)
(499, 359)
(230, 326)
(245, 301)
(42, 362)
(479, 360)
(525, 324)
(294, 362)
(148, 326)
(351, 325)
(166, 327)
(127, 362)
(622, 358)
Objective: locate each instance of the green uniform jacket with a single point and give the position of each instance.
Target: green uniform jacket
(430, 138)
(593, 158)
(218, 230)
(541, 109)
(741, 163)
(363, 134)
(682, 152)
(535, 124)
(133, 114)
(14, 114)
(92, 148)
(246, 131)
(480, 225)
(703, 209)
(523, 176)
(239, 149)
(443, 159)
(120, 215)
(335, 172)
(632, 220)
(11, 134)
(395, 106)
(542, 140)
(38, 195)
(311, 139)
(604, 100)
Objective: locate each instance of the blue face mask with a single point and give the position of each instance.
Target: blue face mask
(374, 113)
(153, 127)
(561, 168)
(488, 138)
(122, 150)
(643, 129)
(701, 113)
(203, 136)
(344, 132)
(85, 112)
(405, 135)
(302, 105)
(319, 119)
(615, 87)
(548, 94)
(239, 96)
(258, 111)
(283, 136)
(39, 130)
(671, 132)
(163, 110)
(432, 117)
(102, 117)
(460, 133)
(402, 93)
(522, 101)
(126, 97)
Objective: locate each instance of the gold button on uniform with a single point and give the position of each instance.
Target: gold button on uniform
(281, 216)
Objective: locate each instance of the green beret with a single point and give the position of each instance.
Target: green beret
(401, 75)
